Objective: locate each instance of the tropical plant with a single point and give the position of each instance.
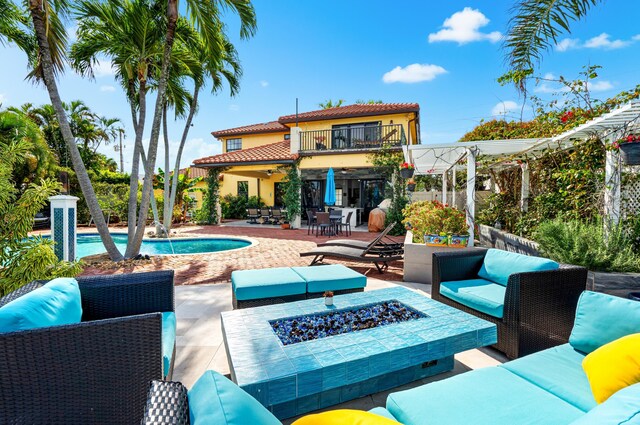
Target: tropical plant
(387, 162)
(47, 56)
(208, 214)
(328, 104)
(292, 185)
(586, 244)
(24, 259)
(534, 29)
(433, 217)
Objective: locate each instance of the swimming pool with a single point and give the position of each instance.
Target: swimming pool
(90, 244)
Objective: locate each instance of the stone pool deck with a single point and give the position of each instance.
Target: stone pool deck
(200, 343)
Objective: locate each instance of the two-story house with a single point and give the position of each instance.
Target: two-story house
(341, 138)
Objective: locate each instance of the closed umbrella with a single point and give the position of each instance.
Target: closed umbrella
(330, 190)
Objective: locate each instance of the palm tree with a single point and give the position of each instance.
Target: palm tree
(109, 129)
(328, 104)
(206, 16)
(534, 29)
(217, 69)
(47, 57)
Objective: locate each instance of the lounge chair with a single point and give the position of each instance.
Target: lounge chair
(376, 245)
(253, 215)
(379, 258)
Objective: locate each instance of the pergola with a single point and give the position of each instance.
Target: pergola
(442, 158)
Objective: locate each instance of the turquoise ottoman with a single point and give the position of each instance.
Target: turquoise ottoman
(252, 288)
(335, 277)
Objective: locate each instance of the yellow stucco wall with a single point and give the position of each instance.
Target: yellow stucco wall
(229, 184)
(253, 140)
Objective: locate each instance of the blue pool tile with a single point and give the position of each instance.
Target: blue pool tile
(296, 350)
(333, 376)
(282, 389)
(248, 375)
(309, 382)
(305, 363)
(330, 398)
(279, 369)
(284, 410)
(307, 404)
(329, 357)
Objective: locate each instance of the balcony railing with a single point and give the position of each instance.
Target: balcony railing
(352, 138)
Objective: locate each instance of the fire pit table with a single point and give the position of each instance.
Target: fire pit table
(302, 356)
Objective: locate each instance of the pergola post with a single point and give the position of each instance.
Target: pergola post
(444, 187)
(612, 183)
(524, 187)
(453, 189)
(471, 193)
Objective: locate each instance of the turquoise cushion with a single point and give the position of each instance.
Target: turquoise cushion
(484, 396)
(214, 399)
(602, 318)
(498, 265)
(381, 411)
(333, 277)
(557, 370)
(267, 283)
(478, 294)
(168, 340)
(621, 408)
(54, 304)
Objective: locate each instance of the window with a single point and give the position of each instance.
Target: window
(234, 145)
(339, 197)
(287, 136)
(243, 189)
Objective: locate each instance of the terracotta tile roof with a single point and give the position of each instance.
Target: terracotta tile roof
(271, 153)
(352, 111)
(267, 127)
(193, 172)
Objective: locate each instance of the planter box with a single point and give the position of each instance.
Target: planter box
(619, 284)
(418, 260)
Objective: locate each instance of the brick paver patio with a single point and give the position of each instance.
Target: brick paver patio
(275, 247)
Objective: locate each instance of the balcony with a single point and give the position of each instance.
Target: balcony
(354, 138)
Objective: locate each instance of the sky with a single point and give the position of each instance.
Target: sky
(444, 55)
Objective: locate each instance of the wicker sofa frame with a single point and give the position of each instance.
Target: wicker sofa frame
(94, 372)
(539, 307)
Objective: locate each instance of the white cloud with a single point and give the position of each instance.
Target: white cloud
(103, 68)
(414, 73)
(503, 108)
(463, 27)
(567, 43)
(264, 83)
(554, 87)
(602, 41)
(234, 107)
(107, 88)
(600, 85)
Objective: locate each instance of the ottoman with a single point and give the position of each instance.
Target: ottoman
(335, 277)
(253, 288)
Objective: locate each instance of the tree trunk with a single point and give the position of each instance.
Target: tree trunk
(168, 208)
(154, 204)
(135, 170)
(40, 26)
(133, 248)
(183, 141)
(121, 154)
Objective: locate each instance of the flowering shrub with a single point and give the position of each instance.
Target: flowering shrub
(433, 217)
(411, 181)
(407, 165)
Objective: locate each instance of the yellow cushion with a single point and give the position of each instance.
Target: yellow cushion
(613, 366)
(345, 417)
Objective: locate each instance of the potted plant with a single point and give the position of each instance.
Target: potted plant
(406, 170)
(411, 185)
(285, 225)
(328, 298)
(629, 149)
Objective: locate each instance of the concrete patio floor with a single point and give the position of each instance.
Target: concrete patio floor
(200, 344)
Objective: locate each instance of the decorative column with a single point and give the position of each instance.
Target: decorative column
(471, 193)
(524, 187)
(63, 226)
(294, 140)
(298, 221)
(453, 189)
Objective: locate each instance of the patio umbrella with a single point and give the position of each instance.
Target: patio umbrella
(330, 190)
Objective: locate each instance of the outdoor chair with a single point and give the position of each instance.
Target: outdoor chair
(537, 308)
(276, 216)
(253, 215)
(96, 371)
(346, 224)
(265, 215)
(311, 221)
(381, 243)
(324, 225)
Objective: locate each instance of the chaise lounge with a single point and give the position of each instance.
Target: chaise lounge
(549, 387)
(532, 300)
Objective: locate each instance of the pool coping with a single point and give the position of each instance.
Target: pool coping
(296, 378)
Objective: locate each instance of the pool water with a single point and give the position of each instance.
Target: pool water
(90, 244)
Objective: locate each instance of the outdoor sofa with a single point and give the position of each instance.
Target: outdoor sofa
(532, 300)
(86, 360)
(252, 288)
(549, 387)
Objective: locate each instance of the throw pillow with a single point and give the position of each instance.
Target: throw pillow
(345, 417)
